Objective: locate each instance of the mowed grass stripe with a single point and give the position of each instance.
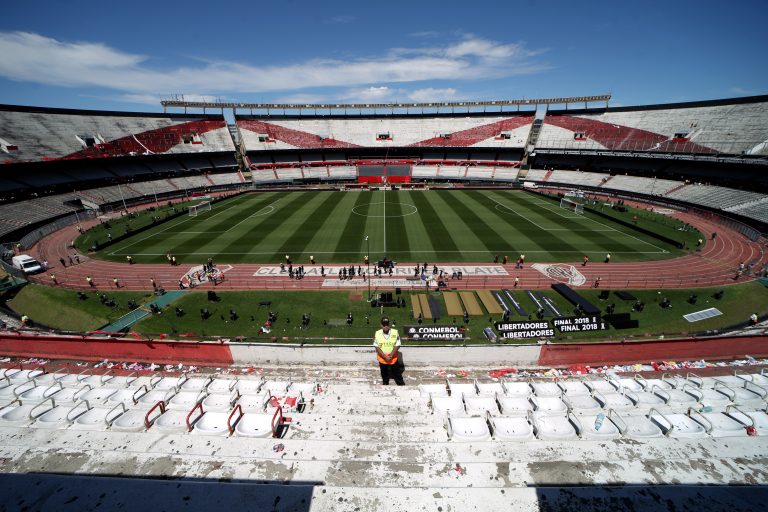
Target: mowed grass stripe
(436, 231)
(593, 243)
(535, 239)
(462, 232)
(298, 241)
(324, 239)
(217, 221)
(215, 241)
(420, 246)
(261, 229)
(397, 236)
(166, 238)
(600, 241)
(482, 230)
(226, 226)
(353, 231)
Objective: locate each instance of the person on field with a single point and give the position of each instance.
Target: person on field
(387, 343)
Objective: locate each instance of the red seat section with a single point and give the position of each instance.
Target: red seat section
(472, 136)
(296, 138)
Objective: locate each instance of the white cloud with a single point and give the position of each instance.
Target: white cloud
(35, 58)
(426, 34)
(431, 95)
(742, 91)
(342, 18)
(147, 99)
(371, 94)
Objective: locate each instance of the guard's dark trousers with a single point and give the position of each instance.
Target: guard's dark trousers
(392, 371)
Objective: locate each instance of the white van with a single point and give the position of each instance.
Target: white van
(27, 264)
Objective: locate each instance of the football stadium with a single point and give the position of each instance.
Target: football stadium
(515, 251)
(578, 292)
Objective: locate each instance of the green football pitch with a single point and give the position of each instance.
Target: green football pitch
(406, 226)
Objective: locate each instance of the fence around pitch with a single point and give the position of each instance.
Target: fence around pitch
(36, 235)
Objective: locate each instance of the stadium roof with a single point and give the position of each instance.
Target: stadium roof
(181, 103)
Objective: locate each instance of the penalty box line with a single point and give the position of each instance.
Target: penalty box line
(121, 251)
(609, 228)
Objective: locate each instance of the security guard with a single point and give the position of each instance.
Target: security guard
(387, 344)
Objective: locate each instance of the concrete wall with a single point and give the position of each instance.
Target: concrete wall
(225, 354)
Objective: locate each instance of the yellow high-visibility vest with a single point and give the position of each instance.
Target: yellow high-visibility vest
(386, 345)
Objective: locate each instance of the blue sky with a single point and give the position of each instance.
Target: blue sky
(129, 55)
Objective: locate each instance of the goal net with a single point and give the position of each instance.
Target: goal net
(569, 204)
(195, 209)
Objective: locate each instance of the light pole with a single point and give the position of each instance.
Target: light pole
(368, 265)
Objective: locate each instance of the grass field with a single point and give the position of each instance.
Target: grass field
(329, 310)
(60, 308)
(434, 226)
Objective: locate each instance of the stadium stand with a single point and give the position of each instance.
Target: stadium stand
(288, 174)
(506, 174)
(481, 173)
(643, 185)
(34, 210)
(477, 430)
(271, 133)
(589, 179)
(727, 126)
(536, 175)
(425, 171)
(42, 134)
(341, 172)
(714, 196)
(451, 171)
(225, 178)
(753, 205)
(320, 173)
(183, 152)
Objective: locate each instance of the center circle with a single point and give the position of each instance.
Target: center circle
(407, 209)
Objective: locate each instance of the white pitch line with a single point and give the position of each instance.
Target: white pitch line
(604, 225)
(518, 214)
(385, 221)
(195, 232)
(309, 251)
(173, 225)
(255, 214)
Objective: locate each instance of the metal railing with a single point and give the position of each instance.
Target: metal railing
(32, 238)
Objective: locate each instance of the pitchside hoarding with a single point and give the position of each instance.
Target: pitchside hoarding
(579, 323)
(521, 330)
(545, 329)
(434, 332)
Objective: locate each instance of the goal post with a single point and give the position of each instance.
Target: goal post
(569, 204)
(202, 207)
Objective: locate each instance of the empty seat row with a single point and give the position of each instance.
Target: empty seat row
(136, 403)
(734, 422)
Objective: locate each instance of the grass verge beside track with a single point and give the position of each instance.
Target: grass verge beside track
(61, 309)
